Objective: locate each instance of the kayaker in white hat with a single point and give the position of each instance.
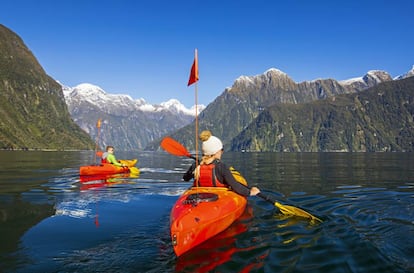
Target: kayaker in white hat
(212, 172)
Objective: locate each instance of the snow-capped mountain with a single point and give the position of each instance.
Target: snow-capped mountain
(111, 102)
(372, 77)
(127, 124)
(406, 75)
(279, 79)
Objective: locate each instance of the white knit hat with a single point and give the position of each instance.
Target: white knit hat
(212, 145)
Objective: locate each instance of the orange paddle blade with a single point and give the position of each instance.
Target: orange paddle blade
(174, 147)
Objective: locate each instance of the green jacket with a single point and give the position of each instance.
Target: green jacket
(110, 158)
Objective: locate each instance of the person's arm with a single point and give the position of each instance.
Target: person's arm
(190, 173)
(112, 159)
(228, 178)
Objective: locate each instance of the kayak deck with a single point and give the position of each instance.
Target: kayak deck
(201, 213)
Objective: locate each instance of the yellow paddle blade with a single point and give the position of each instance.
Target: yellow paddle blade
(294, 211)
(236, 174)
(134, 170)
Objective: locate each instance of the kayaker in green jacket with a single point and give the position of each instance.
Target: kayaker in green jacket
(109, 157)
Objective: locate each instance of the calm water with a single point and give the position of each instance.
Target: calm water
(51, 221)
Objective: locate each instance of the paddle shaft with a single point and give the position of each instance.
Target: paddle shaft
(266, 198)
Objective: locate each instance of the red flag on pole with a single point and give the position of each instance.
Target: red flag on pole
(194, 71)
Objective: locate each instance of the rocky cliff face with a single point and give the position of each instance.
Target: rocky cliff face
(377, 119)
(32, 107)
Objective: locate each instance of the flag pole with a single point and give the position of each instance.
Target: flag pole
(194, 79)
(98, 125)
(196, 105)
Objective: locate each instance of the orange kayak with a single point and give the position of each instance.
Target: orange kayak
(201, 213)
(107, 168)
(207, 256)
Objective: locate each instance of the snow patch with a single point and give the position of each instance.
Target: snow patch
(95, 95)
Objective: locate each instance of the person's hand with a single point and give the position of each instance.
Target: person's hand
(254, 191)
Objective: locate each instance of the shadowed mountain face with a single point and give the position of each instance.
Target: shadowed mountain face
(377, 119)
(33, 111)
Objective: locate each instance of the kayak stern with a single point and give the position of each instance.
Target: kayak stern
(201, 213)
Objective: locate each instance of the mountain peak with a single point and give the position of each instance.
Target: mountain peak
(96, 96)
(176, 106)
(410, 73)
(275, 71)
(89, 87)
(372, 77)
(267, 76)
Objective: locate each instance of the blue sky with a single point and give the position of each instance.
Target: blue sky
(145, 48)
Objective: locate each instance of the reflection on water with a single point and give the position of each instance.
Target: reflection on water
(52, 220)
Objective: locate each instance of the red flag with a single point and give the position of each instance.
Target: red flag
(194, 71)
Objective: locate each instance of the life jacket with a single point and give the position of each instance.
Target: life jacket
(208, 177)
(103, 158)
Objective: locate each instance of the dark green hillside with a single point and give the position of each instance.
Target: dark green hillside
(378, 119)
(33, 113)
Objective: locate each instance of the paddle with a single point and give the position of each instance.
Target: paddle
(173, 147)
(134, 170)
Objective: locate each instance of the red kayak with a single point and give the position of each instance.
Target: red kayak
(201, 213)
(103, 169)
